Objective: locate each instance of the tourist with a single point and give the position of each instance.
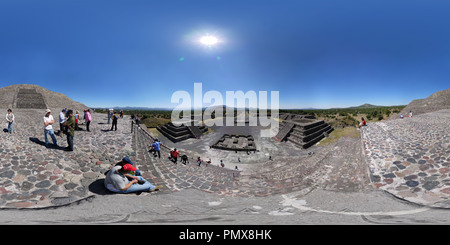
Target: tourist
(401, 116)
(10, 119)
(199, 161)
(174, 155)
(362, 123)
(156, 148)
(127, 160)
(70, 128)
(184, 159)
(116, 181)
(62, 120)
(109, 115)
(48, 128)
(114, 122)
(88, 119)
(222, 164)
(410, 114)
(77, 116)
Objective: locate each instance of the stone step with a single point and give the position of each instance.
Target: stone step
(29, 98)
(284, 131)
(306, 138)
(196, 132)
(312, 141)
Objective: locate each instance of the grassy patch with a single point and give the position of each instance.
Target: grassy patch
(340, 132)
(155, 132)
(153, 122)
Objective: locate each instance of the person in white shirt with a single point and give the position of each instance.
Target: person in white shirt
(48, 128)
(62, 120)
(10, 119)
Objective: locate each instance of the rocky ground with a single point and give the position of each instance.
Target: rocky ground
(408, 158)
(32, 175)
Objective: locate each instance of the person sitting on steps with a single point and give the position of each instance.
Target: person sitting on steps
(117, 181)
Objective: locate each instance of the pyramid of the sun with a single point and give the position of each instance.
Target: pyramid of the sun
(437, 101)
(28, 96)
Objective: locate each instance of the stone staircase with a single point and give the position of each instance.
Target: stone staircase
(306, 137)
(284, 131)
(304, 131)
(284, 176)
(182, 132)
(30, 99)
(196, 132)
(178, 176)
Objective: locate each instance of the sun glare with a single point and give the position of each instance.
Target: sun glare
(209, 40)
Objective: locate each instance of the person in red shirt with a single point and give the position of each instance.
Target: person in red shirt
(174, 154)
(363, 123)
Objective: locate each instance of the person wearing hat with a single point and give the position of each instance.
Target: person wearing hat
(48, 128)
(117, 181)
(127, 160)
(70, 127)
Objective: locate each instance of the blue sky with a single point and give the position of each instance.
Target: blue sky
(321, 54)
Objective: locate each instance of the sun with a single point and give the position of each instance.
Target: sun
(209, 40)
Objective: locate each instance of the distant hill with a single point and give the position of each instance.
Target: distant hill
(435, 102)
(365, 106)
(138, 108)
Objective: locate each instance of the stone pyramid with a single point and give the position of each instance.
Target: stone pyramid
(435, 102)
(28, 96)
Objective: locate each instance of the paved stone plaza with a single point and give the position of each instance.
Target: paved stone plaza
(408, 158)
(32, 175)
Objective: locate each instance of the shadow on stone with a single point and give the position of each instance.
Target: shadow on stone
(42, 143)
(37, 141)
(98, 187)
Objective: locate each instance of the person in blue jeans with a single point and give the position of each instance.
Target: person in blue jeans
(10, 119)
(156, 148)
(117, 180)
(48, 128)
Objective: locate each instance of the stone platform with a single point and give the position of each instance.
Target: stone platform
(182, 132)
(410, 157)
(302, 130)
(32, 176)
(236, 142)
